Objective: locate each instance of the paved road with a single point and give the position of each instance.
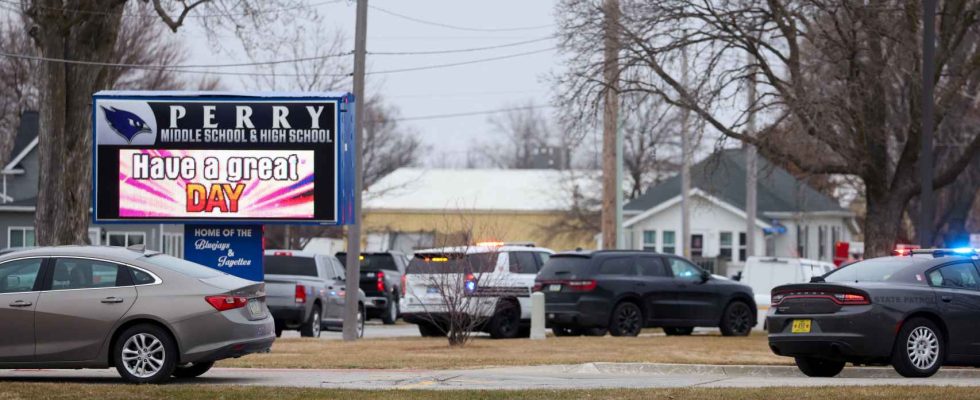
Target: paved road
(372, 330)
(584, 376)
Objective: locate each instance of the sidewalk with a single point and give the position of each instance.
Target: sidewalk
(582, 376)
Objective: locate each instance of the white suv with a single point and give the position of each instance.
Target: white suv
(489, 283)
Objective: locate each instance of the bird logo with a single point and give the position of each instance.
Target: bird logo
(125, 123)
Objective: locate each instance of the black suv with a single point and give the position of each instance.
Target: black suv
(626, 291)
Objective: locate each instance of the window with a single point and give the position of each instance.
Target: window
(669, 246)
(651, 266)
(77, 273)
(542, 258)
(886, 269)
(19, 275)
(742, 241)
(822, 242)
(185, 267)
(622, 266)
(650, 240)
(289, 265)
(956, 276)
(523, 262)
(697, 245)
(725, 246)
(834, 236)
(125, 239)
(683, 269)
(141, 278)
(20, 237)
(801, 240)
(173, 244)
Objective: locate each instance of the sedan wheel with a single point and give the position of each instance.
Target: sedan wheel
(627, 320)
(145, 354)
(919, 350)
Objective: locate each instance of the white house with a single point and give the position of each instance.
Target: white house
(793, 218)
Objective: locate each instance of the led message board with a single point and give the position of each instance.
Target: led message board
(222, 157)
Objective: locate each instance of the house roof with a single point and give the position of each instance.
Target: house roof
(723, 176)
(25, 140)
(474, 189)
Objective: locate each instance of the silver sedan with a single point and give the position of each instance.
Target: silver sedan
(149, 315)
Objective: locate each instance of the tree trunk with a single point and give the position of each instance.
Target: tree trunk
(882, 221)
(65, 137)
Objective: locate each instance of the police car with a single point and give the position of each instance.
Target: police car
(488, 285)
(916, 311)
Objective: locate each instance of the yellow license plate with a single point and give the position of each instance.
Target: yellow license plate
(801, 326)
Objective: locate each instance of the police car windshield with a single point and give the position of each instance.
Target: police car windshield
(871, 270)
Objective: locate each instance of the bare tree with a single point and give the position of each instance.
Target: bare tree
(838, 79)
(462, 277)
(88, 31)
(651, 142)
(388, 145)
(521, 132)
(138, 43)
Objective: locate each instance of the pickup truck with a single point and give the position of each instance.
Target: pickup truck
(381, 281)
(305, 291)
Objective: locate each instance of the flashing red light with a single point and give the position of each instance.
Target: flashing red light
(226, 302)
(300, 294)
(283, 253)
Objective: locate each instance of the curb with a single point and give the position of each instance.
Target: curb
(604, 368)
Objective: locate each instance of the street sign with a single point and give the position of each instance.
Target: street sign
(222, 157)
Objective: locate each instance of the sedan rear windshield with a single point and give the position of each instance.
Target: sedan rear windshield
(559, 267)
(182, 266)
(289, 265)
(372, 262)
(874, 270)
(452, 263)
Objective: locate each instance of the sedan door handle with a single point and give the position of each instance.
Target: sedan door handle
(21, 303)
(946, 299)
(111, 300)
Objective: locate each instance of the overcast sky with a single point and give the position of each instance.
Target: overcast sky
(459, 89)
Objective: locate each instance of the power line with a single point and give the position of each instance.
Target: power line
(457, 27)
(471, 113)
(467, 50)
(214, 15)
(455, 64)
(168, 67)
(233, 73)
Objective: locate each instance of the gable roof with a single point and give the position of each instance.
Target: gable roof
(474, 189)
(723, 175)
(25, 141)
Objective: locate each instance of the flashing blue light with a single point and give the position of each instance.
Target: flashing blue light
(470, 286)
(964, 250)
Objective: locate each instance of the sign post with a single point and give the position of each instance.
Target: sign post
(224, 163)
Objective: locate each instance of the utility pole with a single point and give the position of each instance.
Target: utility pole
(685, 166)
(751, 169)
(610, 71)
(926, 197)
(354, 231)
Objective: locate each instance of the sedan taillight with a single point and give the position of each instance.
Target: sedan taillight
(842, 298)
(226, 302)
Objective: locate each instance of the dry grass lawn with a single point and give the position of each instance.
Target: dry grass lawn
(432, 353)
(21, 390)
